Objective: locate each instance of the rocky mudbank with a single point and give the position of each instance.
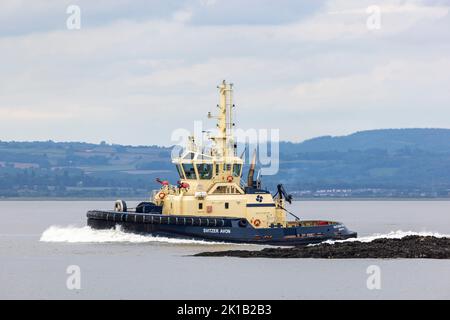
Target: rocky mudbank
(409, 247)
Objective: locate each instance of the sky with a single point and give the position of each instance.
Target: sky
(137, 70)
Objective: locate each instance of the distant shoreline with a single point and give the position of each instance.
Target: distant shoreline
(144, 199)
(393, 164)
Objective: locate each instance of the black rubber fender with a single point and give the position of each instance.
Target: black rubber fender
(243, 223)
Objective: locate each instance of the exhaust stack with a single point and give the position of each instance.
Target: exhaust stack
(251, 171)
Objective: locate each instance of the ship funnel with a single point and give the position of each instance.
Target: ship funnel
(251, 171)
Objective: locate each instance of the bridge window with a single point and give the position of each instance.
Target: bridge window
(205, 171)
(237, 170)
(180, 171)
(189, 171)
(189, 156)
(227, 205)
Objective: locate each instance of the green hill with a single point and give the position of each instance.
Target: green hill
(376, 163)
(432, 140)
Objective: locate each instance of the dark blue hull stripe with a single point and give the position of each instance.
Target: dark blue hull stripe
(260, 204)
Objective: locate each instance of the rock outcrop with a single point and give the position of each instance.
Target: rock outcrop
(410, 247)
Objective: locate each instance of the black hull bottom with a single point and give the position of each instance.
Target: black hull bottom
(216, 229)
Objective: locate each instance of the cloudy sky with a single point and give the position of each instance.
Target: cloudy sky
(138, 69)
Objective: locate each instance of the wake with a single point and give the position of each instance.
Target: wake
(391, 235)
(71, 234)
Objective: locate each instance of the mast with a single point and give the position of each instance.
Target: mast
(225, 139)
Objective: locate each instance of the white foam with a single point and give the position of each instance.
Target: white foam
(72, 234)
(391, 235)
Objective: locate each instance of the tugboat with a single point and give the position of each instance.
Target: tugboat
(212, 202)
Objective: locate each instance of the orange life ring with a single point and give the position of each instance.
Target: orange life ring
(257, 222)
(230, 179)
(162, 195)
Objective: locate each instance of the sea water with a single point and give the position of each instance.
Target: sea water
(42, 242)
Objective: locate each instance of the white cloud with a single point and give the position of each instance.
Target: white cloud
(392, 84)
(208, 3)
(182, 16)
(133, 81)
(33, 115)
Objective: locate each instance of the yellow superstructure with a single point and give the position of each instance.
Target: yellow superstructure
(211, 181)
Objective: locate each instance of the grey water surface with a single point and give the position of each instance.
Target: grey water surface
(114, 265)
